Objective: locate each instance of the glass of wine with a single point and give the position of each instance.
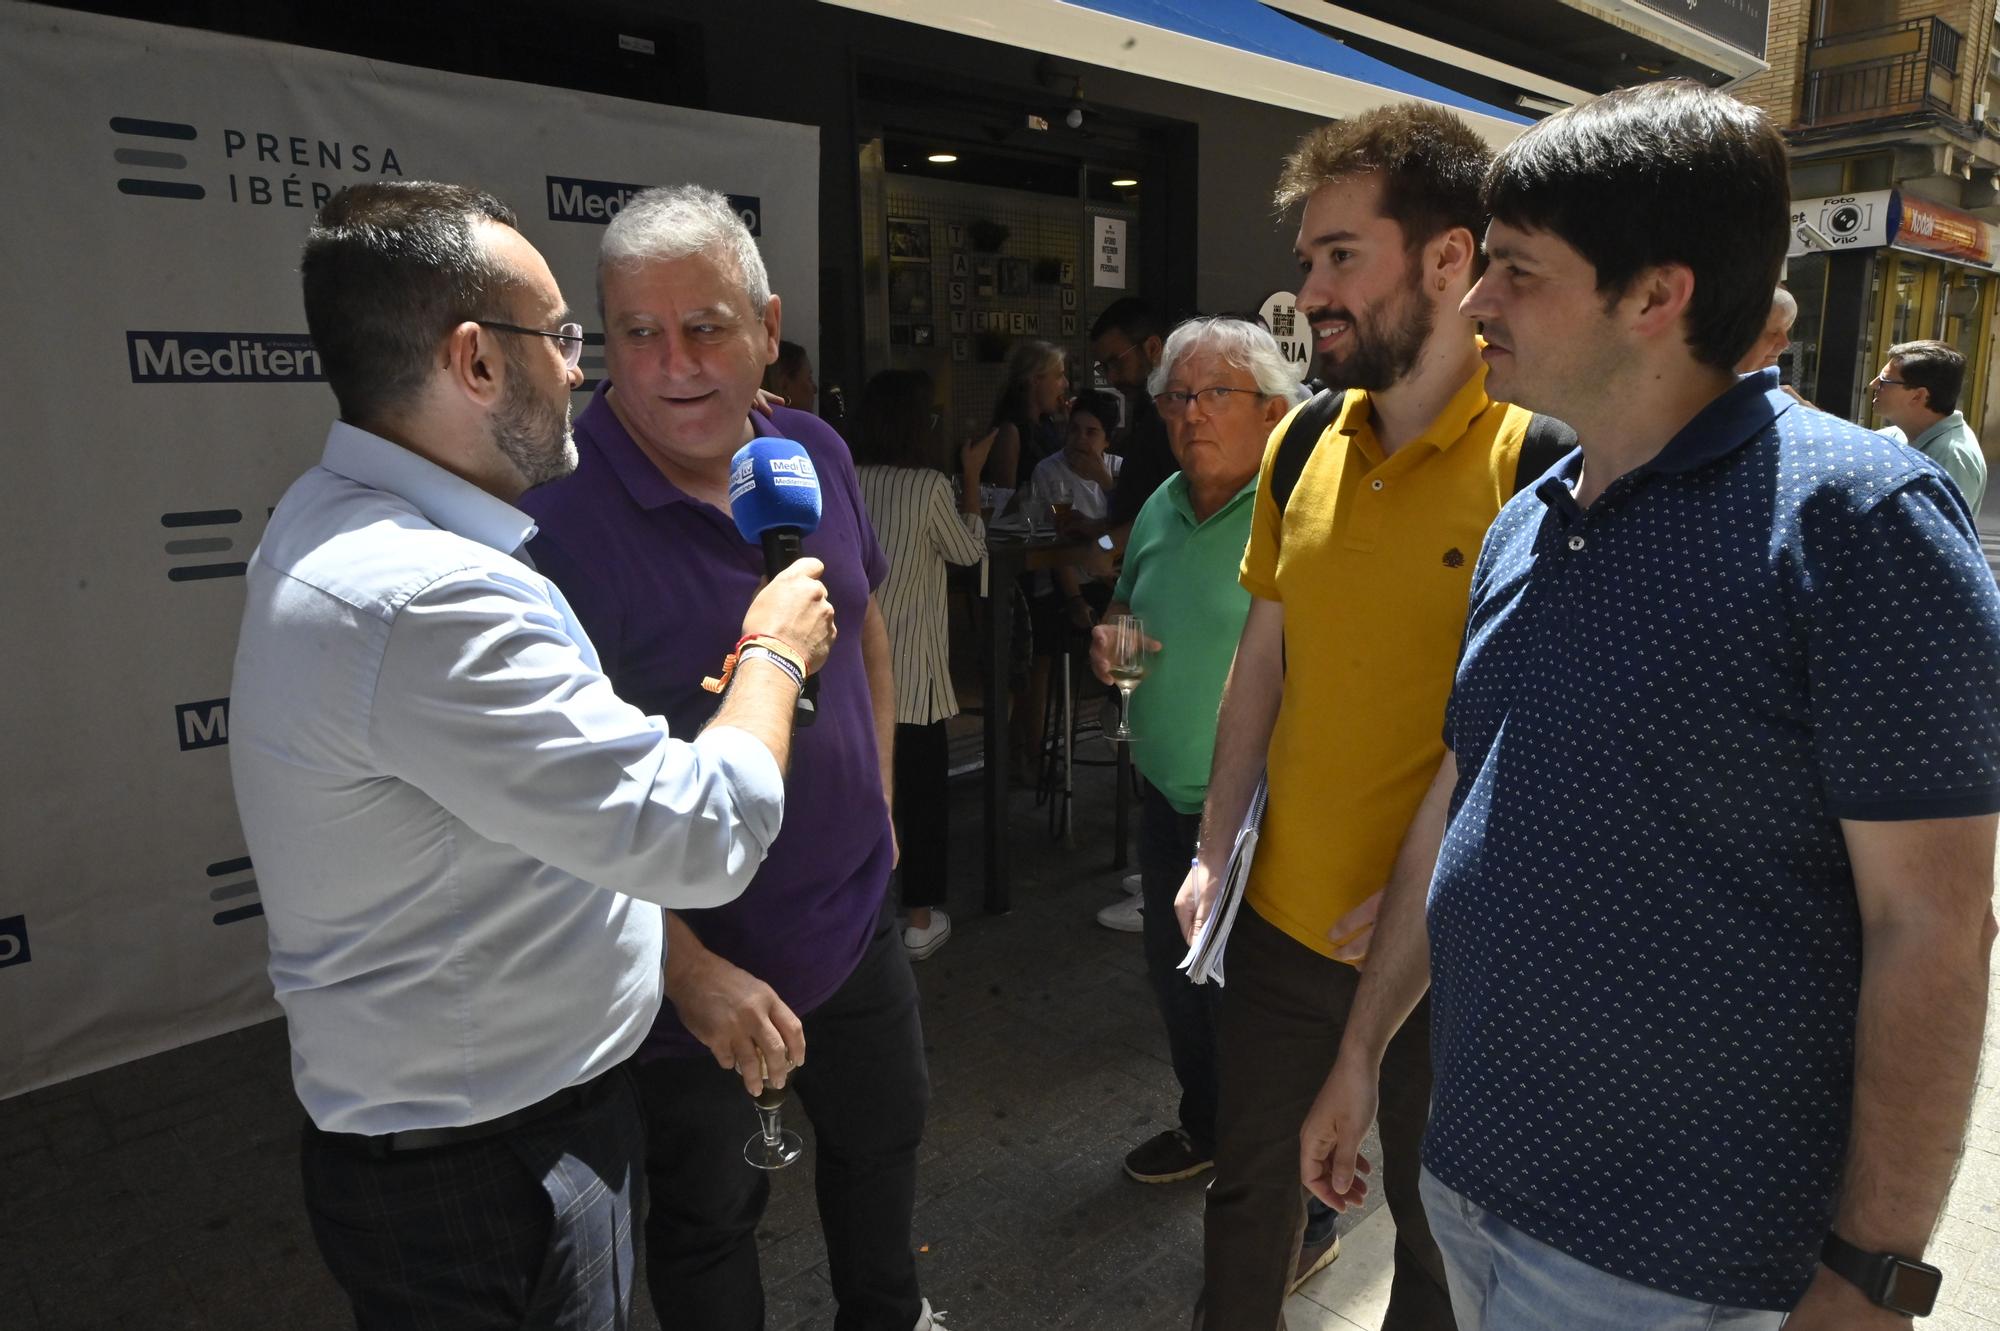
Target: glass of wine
(773, 1146)
(1128, 667)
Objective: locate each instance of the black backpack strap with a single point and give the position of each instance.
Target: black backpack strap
(1301, 436)
(1547, 442)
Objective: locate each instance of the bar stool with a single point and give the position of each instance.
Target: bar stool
(1063, 726)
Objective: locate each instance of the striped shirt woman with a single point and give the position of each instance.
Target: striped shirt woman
(921, 527)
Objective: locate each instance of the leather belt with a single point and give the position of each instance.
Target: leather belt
(431, 1139)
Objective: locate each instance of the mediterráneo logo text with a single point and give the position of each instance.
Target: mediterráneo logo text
(222, 358)
(596, 202)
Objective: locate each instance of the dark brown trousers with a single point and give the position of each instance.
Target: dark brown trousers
(1278, 1028)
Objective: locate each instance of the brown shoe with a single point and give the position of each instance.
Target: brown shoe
(1314, 1258)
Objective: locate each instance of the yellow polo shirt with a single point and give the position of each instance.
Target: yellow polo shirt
(1372, 561)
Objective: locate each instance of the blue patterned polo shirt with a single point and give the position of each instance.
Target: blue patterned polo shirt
(1645, 944)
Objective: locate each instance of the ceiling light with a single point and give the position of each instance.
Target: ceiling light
(1124, 182)
(1527, 101)
(942, 158)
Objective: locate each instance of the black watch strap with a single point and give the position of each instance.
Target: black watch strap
(1896, 1283)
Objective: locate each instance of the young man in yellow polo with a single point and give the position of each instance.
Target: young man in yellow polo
(1359, 590)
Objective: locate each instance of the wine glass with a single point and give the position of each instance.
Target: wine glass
(772, 1146)
(1128, 667)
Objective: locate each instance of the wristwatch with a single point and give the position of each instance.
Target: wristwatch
(1892, 1282)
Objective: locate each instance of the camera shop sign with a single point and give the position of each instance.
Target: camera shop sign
(1875, 218)
(1843, 221)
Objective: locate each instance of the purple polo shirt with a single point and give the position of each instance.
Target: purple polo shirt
(660, 581)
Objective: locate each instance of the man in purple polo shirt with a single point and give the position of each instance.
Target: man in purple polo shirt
(641, 542)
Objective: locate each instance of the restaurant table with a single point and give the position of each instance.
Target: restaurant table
(1007, 557)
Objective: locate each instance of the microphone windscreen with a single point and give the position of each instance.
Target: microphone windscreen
(772, 484)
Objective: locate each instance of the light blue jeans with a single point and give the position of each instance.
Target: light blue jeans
(1503, 1280)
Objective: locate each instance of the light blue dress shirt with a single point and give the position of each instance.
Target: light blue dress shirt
(451, 812)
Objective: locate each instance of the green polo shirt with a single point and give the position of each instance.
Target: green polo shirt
(1951, 444)
(1180, 578)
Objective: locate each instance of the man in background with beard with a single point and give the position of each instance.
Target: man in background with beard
(1338, 689)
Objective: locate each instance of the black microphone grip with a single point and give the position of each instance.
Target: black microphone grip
(782, 547)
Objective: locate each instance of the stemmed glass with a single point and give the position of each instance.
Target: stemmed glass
(1128, 667)
(772, 1146)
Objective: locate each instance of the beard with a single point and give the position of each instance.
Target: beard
(1387, 339)
(533, 431)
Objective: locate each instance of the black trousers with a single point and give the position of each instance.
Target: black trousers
(529, 1229)
(1166, 845)
(922, 813)
(865, 1087)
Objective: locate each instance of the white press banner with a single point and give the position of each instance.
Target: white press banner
(160, 393)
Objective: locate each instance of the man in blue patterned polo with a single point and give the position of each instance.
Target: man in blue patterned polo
(1710, 862)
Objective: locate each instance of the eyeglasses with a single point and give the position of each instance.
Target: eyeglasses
(1879, 381)
(1213, 398)
(1104, 366)
(569, 335)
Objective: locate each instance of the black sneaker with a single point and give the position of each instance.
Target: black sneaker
(1167, 1158)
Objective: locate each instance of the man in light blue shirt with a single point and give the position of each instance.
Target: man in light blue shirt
(462, 835)
(1917, 393)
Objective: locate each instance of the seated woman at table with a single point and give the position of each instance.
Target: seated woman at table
(1076, 484)
(923, 521)
(1029, 414)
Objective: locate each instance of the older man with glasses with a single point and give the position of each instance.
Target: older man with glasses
(1222, 385)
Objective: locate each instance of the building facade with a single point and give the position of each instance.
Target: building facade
(1891, 110)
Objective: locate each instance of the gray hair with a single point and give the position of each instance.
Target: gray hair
(673, 222)
(1784, 306)
(1240, 343)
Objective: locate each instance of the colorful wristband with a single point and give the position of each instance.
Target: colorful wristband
(763, 643)
(758, 650)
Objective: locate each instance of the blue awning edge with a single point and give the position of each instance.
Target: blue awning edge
(1246, 25)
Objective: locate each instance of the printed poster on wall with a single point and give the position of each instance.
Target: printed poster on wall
(1107, 249)
(162, 390)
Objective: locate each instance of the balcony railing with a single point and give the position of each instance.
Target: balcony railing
(1901, 69)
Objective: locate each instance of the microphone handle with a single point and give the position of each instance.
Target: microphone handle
(782, 547)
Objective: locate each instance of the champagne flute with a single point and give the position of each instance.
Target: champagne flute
(772, 1146)
(1128, 667)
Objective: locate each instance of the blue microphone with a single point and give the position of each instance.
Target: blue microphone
(774, 499)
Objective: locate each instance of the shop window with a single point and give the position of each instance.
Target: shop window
(1805, 278)
(958, 271)
(1818, 180)
(1865, 173)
